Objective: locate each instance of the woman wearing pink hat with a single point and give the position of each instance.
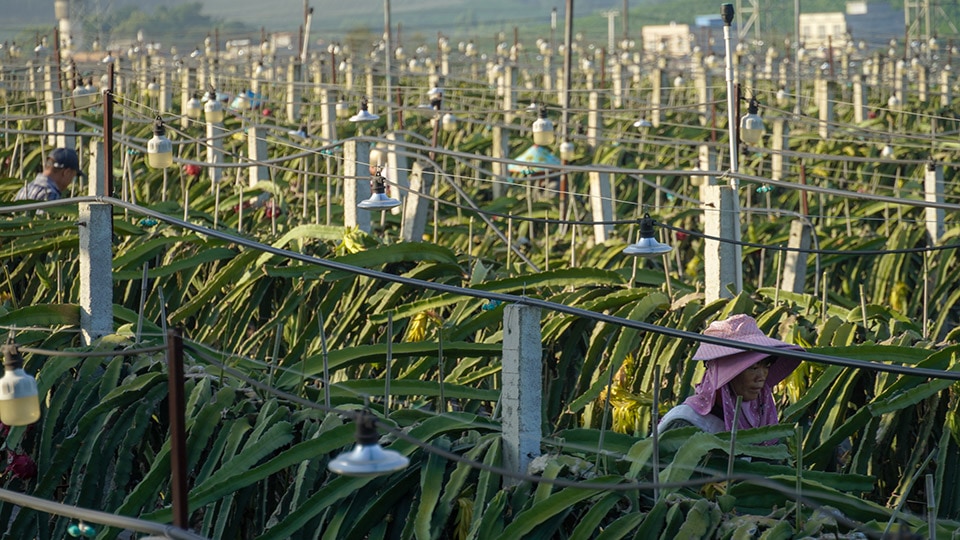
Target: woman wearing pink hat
(732, 372)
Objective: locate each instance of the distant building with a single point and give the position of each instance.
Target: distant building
(668, 39)
(872, 22)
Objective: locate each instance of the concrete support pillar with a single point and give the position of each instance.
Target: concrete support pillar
(704, 95)
(933, 192)
(507, 82)
(548, 85)
(501, 150)
(54, 106)
(780, 141)
(601, 205)
(356, 184)
(946, 90)
(658, 83)
(619, 84)
(293, 92)
(96, 176)
(370, 90)
(415, 205)
(165, 99)
(348, 74)
(825, 98)
(522, 388)
(328, 115)
(594, 119)
(215, 133)
(96, 270)
(187, 76)
(923, 83)
(257, 152)
(397, 170)
(794, 262)
(723, 265)
(707, 161)
(900, 82)
(860, 109)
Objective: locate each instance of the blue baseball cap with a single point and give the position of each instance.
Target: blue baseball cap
(65, 158)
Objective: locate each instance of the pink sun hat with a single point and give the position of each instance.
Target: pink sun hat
(744, 328)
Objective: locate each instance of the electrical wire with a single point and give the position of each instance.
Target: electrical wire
(490, 295)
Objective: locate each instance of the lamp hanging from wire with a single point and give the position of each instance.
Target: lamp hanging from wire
(751, 125)
(213, 109)
(379, 200)
(194, 107)
(159, 147)
(364, 115)
(19, 400)
(647, 246)
(368, 458)
(543, 133)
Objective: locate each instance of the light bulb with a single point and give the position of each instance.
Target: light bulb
(159, 148)
(567, 151)
(543, 134)
(213, 109)
(194, 107)
(449, 122)
(19, 400)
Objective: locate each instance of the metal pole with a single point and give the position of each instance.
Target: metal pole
(178, 437)
(796, 59)
(388, 52)
(108, 132)
(726, 12)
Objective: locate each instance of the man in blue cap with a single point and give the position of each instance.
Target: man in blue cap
(61, 167)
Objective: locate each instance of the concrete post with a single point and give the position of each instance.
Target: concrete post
(187, 74)
(257, 150)
(794, 262)
(293, 92)
(825, 106)
(397, 170)
(522, 394)
(508, 80)
(548, 85)
(368, 75)
(601, 207)
(619, 85)
(780, 140)
(704, 94)
(96, 255)
(658, 82)
(215, 133)
(415, 206)
(54, 106)
(722, 259)
(356, 184)
(900, 82)
(328, 115)
(501, 150)
(594, 119)
(923, 83)
(860, 110)
(946, 92)
(165, 100)
(933, 192)
(707, 161)
(96, 270)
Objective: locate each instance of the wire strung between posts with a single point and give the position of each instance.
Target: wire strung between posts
(491, 295)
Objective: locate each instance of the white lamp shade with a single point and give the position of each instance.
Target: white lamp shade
(368, 460)
(567, 151)
(543, 133)
(364, 116)
(647, 247)
(379, 201)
